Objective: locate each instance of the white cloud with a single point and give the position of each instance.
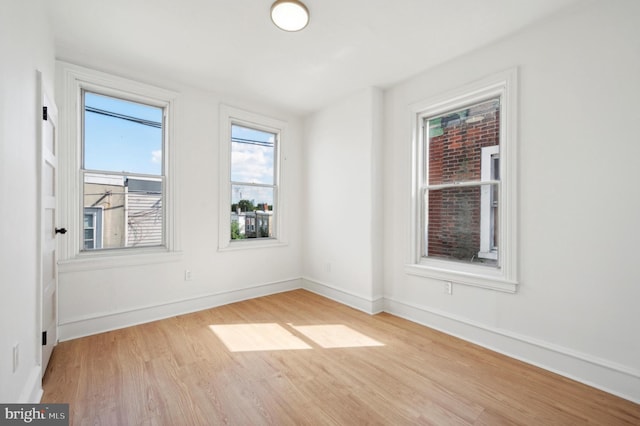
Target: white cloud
(156, 156)
(252, 163)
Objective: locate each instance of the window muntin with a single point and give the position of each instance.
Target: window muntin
(454, 182)
(123, 170)
(253, 183)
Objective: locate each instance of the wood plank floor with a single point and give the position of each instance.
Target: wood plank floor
(296, 358)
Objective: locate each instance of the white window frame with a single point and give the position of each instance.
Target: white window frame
(72, 81)
(504, 277)
(230, 115)
(486, 198)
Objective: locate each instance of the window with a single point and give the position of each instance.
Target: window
(253, 182)
(92, 228)
(122, 171)
(464, 205)
(455, 182)
(117, 164)
(250, 166)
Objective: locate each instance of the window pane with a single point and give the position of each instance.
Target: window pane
(252, 212)
(252, 155)
(122, 136)
(130, 208)
(456, 140)
(126, 139)
(144, 214)
(248, 197)
(454, 224)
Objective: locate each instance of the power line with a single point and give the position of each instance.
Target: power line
(252, 142)
(142, 121)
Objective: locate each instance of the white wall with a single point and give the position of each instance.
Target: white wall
(94, 299)
(576, 309)
(342, 226)
(25, 46)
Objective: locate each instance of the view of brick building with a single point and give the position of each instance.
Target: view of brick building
(457, 142)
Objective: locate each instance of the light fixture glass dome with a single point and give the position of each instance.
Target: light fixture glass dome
(289, 15)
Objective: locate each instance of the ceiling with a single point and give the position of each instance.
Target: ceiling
(231, 46)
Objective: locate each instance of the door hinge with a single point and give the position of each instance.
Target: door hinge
(44, 113)
(44, 338)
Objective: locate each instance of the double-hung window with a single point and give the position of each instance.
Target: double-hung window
(122, 172)
(253, 182)
(118, 180)
(464, 203)
(251, 193)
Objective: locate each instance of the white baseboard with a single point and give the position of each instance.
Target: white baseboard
(369, 306)
(612, 378)
(32, 390)
(616, 379)
(86, 326)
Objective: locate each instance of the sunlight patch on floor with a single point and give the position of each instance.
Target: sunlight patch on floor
(257, 337)
(335, 336)
(277, 337)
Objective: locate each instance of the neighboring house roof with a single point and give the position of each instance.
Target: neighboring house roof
(144, 185)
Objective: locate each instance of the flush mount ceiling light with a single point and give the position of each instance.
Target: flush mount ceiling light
(289, 15)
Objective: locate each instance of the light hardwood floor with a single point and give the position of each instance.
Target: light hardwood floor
(297, 358)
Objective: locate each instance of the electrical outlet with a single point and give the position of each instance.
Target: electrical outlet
(187, 275)
(16, 357)
(448, 287)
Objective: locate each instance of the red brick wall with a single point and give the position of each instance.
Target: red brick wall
(455, 156)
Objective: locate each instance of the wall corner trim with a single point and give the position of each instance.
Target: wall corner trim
(356, 301)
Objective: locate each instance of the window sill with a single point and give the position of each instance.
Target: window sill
(87, 261)
(251, 244)
(491, 281)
